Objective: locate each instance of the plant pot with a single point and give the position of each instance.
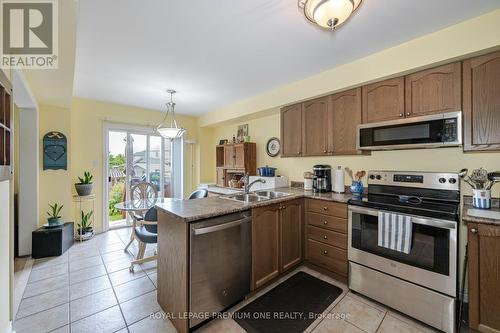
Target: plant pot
(54, 220)
(357, 188)
(83, 189)
(85, 230)
(481, 199)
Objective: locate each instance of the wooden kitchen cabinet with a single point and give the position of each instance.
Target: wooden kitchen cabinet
(265, 244)
(383, 101)
(276, 240)
(229, 156)
(221, 172)
(291, 234)
(484, 277)
(434, 90)
(291, 130)
(315, 127)
(344, 118)
(481, 102)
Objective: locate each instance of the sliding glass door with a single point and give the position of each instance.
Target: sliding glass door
(138, 155)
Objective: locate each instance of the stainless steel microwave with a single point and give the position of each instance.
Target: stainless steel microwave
(434, 131)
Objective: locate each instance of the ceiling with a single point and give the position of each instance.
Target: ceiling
(218, 52)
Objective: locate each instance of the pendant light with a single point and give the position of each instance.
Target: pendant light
(170, 131)
(328, 14)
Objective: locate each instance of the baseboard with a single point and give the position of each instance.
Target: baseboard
(9, 328)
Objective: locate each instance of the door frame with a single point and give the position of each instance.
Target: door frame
(118, 127)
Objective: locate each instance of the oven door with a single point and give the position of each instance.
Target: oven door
(431, 263)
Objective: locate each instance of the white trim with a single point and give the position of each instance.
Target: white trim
(9, 328)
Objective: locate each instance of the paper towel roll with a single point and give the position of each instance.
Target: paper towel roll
(338, 180)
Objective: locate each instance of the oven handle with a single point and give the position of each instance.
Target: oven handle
(414, 219)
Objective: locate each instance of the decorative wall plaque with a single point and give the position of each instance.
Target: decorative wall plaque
(55, 153)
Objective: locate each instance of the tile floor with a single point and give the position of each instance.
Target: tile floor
(90, 289)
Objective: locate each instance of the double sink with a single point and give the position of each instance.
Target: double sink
(256, 196)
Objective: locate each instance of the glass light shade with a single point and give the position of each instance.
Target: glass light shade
(329, 13)
(171, 132)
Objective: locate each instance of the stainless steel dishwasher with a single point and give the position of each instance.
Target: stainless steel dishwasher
(220, 263)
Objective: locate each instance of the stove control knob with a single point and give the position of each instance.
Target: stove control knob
(442, 180)
(372, 177)
(379, 177)
(452, 180)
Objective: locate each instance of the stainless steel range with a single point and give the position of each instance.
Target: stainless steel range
(403, 243)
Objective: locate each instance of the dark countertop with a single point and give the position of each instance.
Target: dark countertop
(198, 209)
(475, 219)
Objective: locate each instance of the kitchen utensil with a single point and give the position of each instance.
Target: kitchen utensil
(349, 173)
(266, 171)
(462, 174)
(480, 178)
(493, 177)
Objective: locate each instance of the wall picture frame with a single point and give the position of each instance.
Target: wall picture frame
(242, 132)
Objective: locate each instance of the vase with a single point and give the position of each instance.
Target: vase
(481, 199)
(83, 189)
(357, 188)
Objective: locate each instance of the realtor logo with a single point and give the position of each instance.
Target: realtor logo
(29, 34)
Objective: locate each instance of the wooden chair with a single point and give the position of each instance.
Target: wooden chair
(146, 233)
(140, 191)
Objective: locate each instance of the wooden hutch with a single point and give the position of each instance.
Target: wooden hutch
(233, 160)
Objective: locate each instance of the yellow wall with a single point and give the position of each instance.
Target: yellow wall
(87, 147)
(55, 185)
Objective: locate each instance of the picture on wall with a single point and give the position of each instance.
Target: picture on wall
(242, 132)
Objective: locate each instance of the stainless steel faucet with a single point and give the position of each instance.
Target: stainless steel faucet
(248, 185)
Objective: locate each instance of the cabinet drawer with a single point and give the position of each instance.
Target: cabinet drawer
(327, 236)
(326, 256)
(327, 207)
(326, 221)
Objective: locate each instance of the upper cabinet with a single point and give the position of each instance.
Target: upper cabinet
(434, 90)
(481, 107)
(291, 129)
(383, 101)
(315, 127)
(345, 116)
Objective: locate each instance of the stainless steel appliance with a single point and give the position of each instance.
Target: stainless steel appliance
(433, 131)
(322, 179)
(220, 263)
(422, 283)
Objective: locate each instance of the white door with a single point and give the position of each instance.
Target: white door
(136, 155)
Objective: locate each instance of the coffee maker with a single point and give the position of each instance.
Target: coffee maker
(322, 179)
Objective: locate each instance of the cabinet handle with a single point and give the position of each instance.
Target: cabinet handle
(325, 222)
(325, 237)
(325, 151)
(325, 208)
(298, 152)
(325, 252)
(283, 207)
(473, 230)
(401, 114)
(408, 113)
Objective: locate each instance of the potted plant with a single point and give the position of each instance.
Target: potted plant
(85, 224)
(84, 187)
(54, 214)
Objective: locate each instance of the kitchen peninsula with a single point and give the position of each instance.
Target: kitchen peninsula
(315, 230)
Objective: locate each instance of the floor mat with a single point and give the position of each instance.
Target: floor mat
(289, 307)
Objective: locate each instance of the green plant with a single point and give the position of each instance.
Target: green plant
(85, 220)
(87, 178)
(55, 211)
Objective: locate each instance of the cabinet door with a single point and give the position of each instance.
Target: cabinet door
(220, 177)
(484, 274)
(291, 234)
(229, 156)
(315, 127)
(239, 155)
(291, 130)
(384, 100)
(434, 90)
(345, 116)
(265, 244)
(481, 84)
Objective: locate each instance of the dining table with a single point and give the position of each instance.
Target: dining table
(136, 209)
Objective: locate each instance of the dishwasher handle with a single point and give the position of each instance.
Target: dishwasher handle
(222, 226)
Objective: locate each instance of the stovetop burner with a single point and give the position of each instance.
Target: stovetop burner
(417, 193)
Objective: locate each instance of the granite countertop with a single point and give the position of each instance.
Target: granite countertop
(198, 209)
(477, 219)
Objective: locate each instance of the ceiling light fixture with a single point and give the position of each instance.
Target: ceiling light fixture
(328, 14)
(172, 131)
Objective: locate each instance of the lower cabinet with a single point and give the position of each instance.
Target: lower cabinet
(484, 277)
(276, 240)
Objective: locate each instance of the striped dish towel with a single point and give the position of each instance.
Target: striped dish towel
(394, 231)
